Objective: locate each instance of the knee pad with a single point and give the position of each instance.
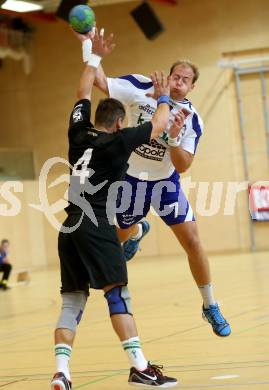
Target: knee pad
(72, 310)
(119, 300)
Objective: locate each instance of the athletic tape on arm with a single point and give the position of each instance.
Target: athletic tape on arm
(86, 49)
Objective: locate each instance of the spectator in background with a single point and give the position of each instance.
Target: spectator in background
(5, 265)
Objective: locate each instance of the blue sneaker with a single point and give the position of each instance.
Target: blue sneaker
(131, 246)
(219, 325)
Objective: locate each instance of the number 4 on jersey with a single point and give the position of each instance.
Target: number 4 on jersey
(81, 168)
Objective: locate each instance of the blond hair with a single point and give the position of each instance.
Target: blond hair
(189, 64)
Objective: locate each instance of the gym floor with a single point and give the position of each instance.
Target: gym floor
(167, 306)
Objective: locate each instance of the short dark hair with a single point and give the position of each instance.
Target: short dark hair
(4, 241)
(189, 64)
(108, 111)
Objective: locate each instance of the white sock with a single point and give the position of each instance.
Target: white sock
(135, 354)
(62, 355)
(207, 295)
(139, 234)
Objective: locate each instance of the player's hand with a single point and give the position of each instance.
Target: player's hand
(83, 37)
(177, 125)
(161, 84)
(100, 45)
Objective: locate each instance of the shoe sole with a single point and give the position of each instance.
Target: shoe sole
(164, 386)
(217, 334)
(146, 232)
(138, 241)
(222, 335)
(57, 385)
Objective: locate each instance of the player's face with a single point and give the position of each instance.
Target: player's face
(181, 82)
(120, 123)
(5, 246)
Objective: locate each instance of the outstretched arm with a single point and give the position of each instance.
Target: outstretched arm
(134, 137)
(100, 48)
(100, 81)
(161, 116)
(86, 82)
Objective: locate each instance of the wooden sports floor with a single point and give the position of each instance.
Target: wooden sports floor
(168, 312)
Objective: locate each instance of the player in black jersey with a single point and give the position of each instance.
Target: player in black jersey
(89, 250)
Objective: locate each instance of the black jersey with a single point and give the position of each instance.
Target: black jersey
(98, 159)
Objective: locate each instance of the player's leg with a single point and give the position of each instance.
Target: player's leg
(74, 296)
(72, 308)
(131, 229)
(131, 238)
(182, 222)
(174, 209)
(100, 250)
(141, 372)
(125, 234)
(187, 235)
(6, 268)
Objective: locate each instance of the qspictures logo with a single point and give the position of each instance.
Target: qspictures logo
(212, 197)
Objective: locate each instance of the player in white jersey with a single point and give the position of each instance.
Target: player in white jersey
(154, 159)
(153, 174)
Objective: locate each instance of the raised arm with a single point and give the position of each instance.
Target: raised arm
(161, 116)
(100, 48)
(100, 81)
(86, 82)
(118, 88)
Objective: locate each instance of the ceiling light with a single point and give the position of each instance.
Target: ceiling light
(20, 6)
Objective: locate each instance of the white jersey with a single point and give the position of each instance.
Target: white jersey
(153, 161)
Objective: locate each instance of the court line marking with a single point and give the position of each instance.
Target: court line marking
(53, 302)
(173, 368)
(181, 385)
(16, 342)
(10, 383)
(228, 376)
(197, 327)
(7, 343)
(222, 385)
(50, 303)
(96, 380)
(16, 333)
(121, 372)
(210, 369)
(252, 328)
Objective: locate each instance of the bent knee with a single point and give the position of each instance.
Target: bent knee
(119, 300)
(73, 306)
(192, 244)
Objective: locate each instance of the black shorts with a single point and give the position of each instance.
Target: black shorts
(91, 256)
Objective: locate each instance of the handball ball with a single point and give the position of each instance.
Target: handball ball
(82, 18)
